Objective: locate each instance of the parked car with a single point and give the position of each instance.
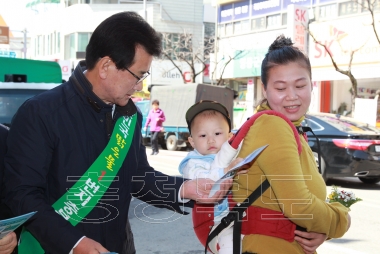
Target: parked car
(348, 148)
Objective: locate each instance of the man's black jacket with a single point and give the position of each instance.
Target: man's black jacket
(54, 138)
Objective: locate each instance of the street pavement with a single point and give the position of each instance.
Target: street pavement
(161, 231)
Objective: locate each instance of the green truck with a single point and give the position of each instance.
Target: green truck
(21, 79)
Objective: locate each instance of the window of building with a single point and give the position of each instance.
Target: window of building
(105, 1)
(327, 11)
(36, 46)
(71, 2)
(229, 29)
(54, 42)
(221, 31)
(284, 19)
(374, 5)
(58, 42)
(40, 45)
(348, 8)
(237, 27)
(83, 39)
(245, 25)
(70, 46)
(258, 24)
(274, 21)
(48, 50)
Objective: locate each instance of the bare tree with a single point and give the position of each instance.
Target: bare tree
(181, 48)
(348, 73)
(223, 67)
(371, 6)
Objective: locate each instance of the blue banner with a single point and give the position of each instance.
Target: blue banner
(226, 13)
(241, 10)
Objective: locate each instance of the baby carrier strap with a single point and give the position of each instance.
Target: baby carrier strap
(236, 214)
(242, 132)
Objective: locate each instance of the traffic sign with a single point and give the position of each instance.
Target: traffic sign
(6, 53)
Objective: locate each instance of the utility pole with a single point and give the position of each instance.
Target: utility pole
(145, 16)
(25, 42)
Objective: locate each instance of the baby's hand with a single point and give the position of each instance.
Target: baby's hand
(233, 164)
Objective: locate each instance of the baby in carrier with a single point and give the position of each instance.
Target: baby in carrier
(210, 128)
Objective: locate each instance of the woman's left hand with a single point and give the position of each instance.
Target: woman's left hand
(309, 241)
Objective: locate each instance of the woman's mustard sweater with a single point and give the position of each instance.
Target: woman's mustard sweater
(296, 188)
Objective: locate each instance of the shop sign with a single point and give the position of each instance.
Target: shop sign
(248, 63)
(4, 35)
(164, 72)
(6, 53)
(226, 13)
(250, 91)
(298, 20)
(341, 37)
(65, 68)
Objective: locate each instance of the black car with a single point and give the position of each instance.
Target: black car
(348, 148)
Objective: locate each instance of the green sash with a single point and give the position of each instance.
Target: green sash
(83, 196)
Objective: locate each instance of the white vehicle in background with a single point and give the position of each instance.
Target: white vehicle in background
(13, 95)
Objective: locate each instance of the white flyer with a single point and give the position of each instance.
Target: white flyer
(232, 172)
(9, 225)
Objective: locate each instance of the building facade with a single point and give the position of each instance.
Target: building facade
(63, 32)
(245, 29)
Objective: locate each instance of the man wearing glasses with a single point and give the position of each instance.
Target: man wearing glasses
(75, 152)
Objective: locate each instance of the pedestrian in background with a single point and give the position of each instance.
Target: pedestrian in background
(155, 119)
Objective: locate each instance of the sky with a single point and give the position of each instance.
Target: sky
(15, 14)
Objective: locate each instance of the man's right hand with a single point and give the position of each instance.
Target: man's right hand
(89, 246)
(199, 189)
(8, 243)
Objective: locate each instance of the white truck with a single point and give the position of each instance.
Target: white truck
(175, 100)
